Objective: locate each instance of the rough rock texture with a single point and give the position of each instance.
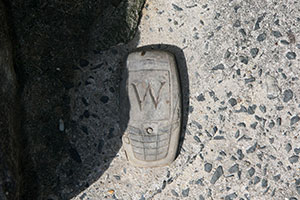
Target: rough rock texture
(9, 123)
(50, 38)
(242, 135)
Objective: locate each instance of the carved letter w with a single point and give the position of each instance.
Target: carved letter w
(141, 100)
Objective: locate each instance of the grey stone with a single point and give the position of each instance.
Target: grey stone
(288, 147)
(291, 55)
(277, 34)
(252, 148)
(234, 168)
(218, 67)
(295, 119)
(217, 174)
(185, 193)
(200, 97)
(254, 52)
(240, 153)
(263, 108)
(298, 189)
(249, 80)
(231, 196)
(244, 59)
(284, 42)
(208, 167)
(287, 95)
(277, 177)
(293, 159)
(232, 101)
(256, 180)
(297, 150)
(261, 37)
(174, 193)
(201, 197)
(251, 171)
(258, 21)
(177, 8)
(237, 24)
(264, 183)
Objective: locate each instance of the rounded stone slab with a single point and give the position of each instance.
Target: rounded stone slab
(150, 108)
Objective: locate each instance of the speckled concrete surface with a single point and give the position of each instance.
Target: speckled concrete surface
(242, 136)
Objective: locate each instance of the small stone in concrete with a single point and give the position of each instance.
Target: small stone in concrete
(293, 159)
(256, 180)
(234, 168)
(186, 192)
(232, 101)
(288, 147)
(200, 97)
(218, 67)
(174, 193)
(208, 167)
(291, 55)
(201, 197)
(294, 120)
(261, 37)
(287, 95)
(177, 8)
(218, 173)
(252, 148)
(231, 196)
(277, 34)
(277, 177)
(254, 52)
(237, 24)
(251, 171)
(263, 108)
(264, 183)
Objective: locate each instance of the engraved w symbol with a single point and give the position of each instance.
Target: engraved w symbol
(141, 100)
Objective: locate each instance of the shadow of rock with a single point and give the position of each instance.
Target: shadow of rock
(51, 43)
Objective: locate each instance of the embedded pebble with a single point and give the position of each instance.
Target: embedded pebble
(291, 55)
(232, 101)
(277, 34)
(254, 52)
(208, 167)
(217, 174)
(185, 193)
(263, 108)
(231, 196)
(293, 159)
(218, 67)
(234, 168)
(261, 37)
(295, 119)
(287, 95)
(251, 171)
(201, 97)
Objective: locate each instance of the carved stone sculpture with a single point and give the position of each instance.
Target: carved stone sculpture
(151, 96)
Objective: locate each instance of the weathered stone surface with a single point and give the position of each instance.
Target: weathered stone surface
(9, 146)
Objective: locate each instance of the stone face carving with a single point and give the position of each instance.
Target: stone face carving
(152, 99)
